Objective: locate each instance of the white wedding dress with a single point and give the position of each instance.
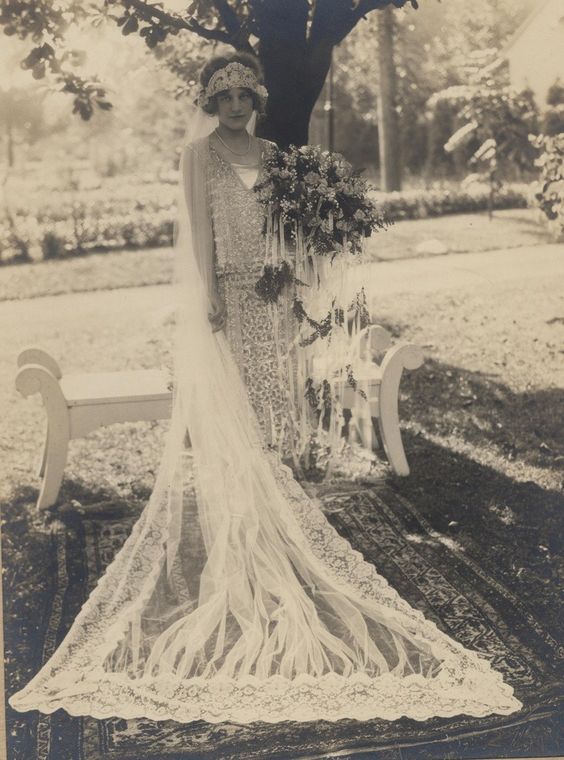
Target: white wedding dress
(234, 599)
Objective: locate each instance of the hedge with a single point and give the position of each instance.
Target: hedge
(419, 204)
(64, 223)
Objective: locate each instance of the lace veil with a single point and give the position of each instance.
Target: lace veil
(233, 598)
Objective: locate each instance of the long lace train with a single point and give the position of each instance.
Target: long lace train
(327, 672)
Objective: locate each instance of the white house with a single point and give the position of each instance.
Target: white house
(535, 53)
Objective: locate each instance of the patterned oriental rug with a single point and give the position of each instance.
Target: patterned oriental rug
(431, 571)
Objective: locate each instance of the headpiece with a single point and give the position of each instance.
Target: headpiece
(233, 75)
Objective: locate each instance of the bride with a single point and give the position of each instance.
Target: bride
(234, 599)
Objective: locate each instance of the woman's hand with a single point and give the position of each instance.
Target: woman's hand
(218, 315)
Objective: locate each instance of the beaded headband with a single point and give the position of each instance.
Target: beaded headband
(233, 75)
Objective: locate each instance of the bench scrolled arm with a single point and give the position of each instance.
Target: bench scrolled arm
(38, 356)
(379, 339)
(403, 356)
(369, 342)
(35, 378)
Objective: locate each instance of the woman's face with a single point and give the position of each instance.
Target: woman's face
(234, 107)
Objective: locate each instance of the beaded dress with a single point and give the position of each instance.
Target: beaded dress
(257, 341)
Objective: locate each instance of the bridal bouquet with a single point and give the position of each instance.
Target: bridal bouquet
(320, 194)
(316, 207)
(317, 214)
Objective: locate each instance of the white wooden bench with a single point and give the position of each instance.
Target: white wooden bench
(381, 380)
(77, 404)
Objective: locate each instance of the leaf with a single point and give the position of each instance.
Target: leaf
(32, 58)
(130, 26)
(84, 108)
(38, 71)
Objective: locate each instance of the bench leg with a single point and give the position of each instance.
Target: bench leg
(366, 431)
(55, 459)
(401, 356)
(388, 423)
(361, 427)
(35, 378)
(43, 460)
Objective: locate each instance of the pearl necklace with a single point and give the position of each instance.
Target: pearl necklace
(235, 153)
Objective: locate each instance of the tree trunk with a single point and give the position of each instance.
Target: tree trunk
(388, 126)
(294, 69)
(294, 79)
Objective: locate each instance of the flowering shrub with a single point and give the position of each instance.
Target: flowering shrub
(117, 215)
(553, 113)
(15, 247)
(57, 205)
(17, 239)
(52, 246)
(132, 230)
(550, 187)
(491, 110)
(418, 204)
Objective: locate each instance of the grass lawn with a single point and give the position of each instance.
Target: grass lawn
(483, 426)
(490, 389)
(460, 233)
(122, 269)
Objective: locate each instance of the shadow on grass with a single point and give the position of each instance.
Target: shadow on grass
(447, 400)
(445, 488)
(513, 529)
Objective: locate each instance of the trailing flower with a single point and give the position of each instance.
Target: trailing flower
(352, 381)
(273, 281)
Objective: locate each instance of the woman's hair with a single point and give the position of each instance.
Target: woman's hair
(220, 62)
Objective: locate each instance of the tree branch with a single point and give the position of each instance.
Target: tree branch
(240, 31)
(148, 12)
(333, 20)
(228, 15)
(281, 22)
